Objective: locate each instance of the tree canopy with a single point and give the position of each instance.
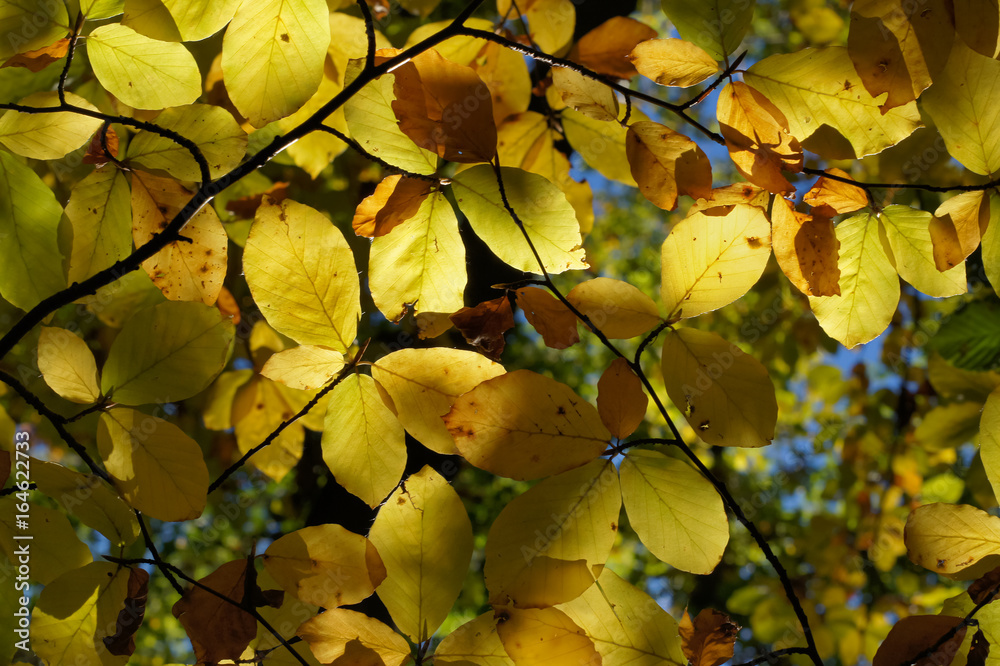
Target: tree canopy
(543, 332)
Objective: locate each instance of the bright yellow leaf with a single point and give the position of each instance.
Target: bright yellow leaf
(475, 642)
(908, 232)
(329, 633)
(100, 212)
(957, 227)
(718, 26)
(591, 98)
(665, 163)
(949, 538)
(673, 62)
(619, 309)
(68, 365)
(258, 408)
(191, 20)
(600, 144)
(550, 22)
(544, 637)
(47, 136)
(315, 151)
(306, 367)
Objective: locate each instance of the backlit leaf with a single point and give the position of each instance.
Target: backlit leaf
(475, 642)
(834, 197)
(306, 367)
(329, 633)
(619, 309)
(673, 62)
(957, 227)
(600, 144)
(192, 20)
(395, 200)
(591, 98)
(550, 22)
(47, 136)
(550, 317)
(100, 212)
(989, 440)
(665, 163)
(46, 26)
(621, 401)
(90, 499)
(605, 49)
(68, 365)
(909, 238)
(947, 538)
(806, 248)
(710, 638)
(718, 26)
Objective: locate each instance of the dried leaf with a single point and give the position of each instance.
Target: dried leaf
(95, 151)
(912, 635)
(709, 639)
(606, 48)
(246, 207)
(485, 324)
(665, 163)
(554, 321)
(122, 643)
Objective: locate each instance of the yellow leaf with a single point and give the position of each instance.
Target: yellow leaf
(187, 20)
(550, 317)
(548, 545)
(47, 136)
(424, 384)
(550, 22)
(619, 309)
(68, 365)
(100, 212)
(272, 56)
(157, 468)
(675, 511)
(725, 394)
(425, 538)
(422, 262)
(835, 197)
(325, 565)
(258, 408)
(806, 248)
(302, 275)
(306, 367)
(349, 40)
(948, 426)
(474, 643)
(957, 227)
(991, 245)
(505, 73)
(544, 637)
(869, 286)
(591, 98)
(183, 270)
(826, 105)
(600, 144)
(627, 626)
(673, 62)
(948, 538)
(142, 72)
(548, 218)
(718, 26)
(523, 425)
(621, 401)
(736, 193)
(908, 232)
(665, 163)
(218, 409)
(363, 442)
(55, 548)
(90, 499)
(989, 440)
(709, 261)
(315, 151)
(329, 633)
(395, 200)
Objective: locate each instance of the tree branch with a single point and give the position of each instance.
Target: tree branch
(374, 158)
(61, 89)
(151, 547)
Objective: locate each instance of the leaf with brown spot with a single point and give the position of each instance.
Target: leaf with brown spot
(666, 163)
(709, 639)
(485, 324)
(621, 401)
(957, 228)
(395, 200)
(246, 207)
(39, 59)
(835, 197)
(122, 642)
(806, 248)
(95, 151)
(554, 321)
(673, 62)
(912, 635)
(606, 48)
(728, 196)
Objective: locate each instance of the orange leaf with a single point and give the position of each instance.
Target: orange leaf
(709, 640)
(912, 635)
(485, 324)
(122, 643)
(606, 48)
(806, 248)
(957, 227)
(246, 207)
(39, 59)
(554, 321)
(621, 401)
(445, 108)
(395, 200)
(729, 195)
(665, 164)
(835, 197)
(228, 306)
(756, 133)
(95, 151)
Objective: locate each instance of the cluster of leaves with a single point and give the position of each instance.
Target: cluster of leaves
(129, 299)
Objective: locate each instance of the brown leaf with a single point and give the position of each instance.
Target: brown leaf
(835, 197)
(621, 401)
(39, 59)
(957, 228)
(606, 48)
(95, 151)
(228, 306)
(806, 248)
(246, 207)
(554, 321)
(122, 642)
(445, 108)
(665, 164)
(979, 650)
(984, 585)
(911, 635)
(709, 640)
(756, 133)
(395, 200)
(485, 324)
(357, 653)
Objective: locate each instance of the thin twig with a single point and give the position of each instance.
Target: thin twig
(151, 547)
(900, 186)
(64, 74)
(374, 158)
(966, 621)
(715, 84)
(771, 656)
(366, 12)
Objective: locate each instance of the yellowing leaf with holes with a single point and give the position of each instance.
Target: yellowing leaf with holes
(957, 227)
(68, 365)
(272, 56)
(157, 468)
(621, 401)
(989, 440)
(363, 442)
(718, 26)
(617, 308)
(546, 215)
(424, 384)
(826, 105)
(908, 231)
(835, 197)
(544, 637)
(594, 99)
(475, 642)
(806, 248)
(55, 548)
(710, 260)
(212, 129)
(627, 626)
(665, 163)
(329, 633)
(142, 72)
(869, 286)
(548, 545)
(425, 539)
(325, 565)
(600, 144)
(673, 62)
(948, 538)
(167, 352)
(89, 498)
(75, 612)
(47, 136)
(605, 49)
(183, 270)
(421, 263)
(100, 212)
(302, 276)
(306, 367)
(674, 510)
(549, 316)
(523, 425)
(725, 394)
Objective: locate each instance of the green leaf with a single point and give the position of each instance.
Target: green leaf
(100, 211)
(272, 56)
(989, 440)
(302, 275)
(25, 28)
(90, 499)
(47, 136)
(969, 339)
(29, 232)
(547, 216)
(908, 232)
(68, 365)
(142, 72)
(167, 352)
(991, 245)
(718, 26)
